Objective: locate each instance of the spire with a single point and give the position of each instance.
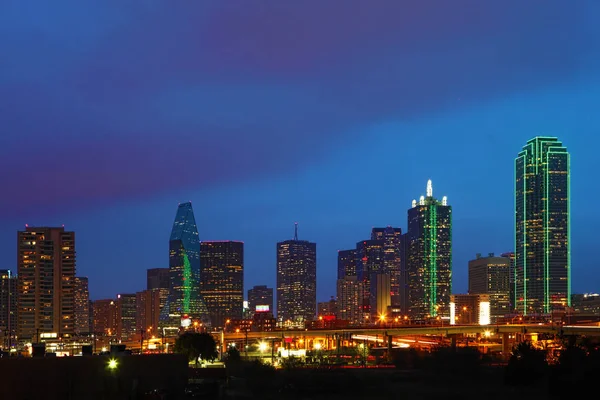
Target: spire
(429, 189)
(295, 231)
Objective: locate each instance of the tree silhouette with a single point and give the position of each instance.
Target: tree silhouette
(526, 365)
(197, 346)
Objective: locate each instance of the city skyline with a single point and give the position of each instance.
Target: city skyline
(337, 132)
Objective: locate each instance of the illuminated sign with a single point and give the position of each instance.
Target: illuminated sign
(262, 308)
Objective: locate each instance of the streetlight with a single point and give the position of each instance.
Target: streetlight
(262, 347)
(112, 364)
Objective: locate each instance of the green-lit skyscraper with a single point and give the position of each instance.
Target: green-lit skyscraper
(542, 227)
(184, 271)
(429, 257)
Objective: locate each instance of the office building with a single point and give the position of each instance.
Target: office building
(8, 308)
(511, 280)
(429, 256)
(542, 227)
(184, 302)
(105, 317)
(157, 278)
(350, 293)
(369, 261)
(222, 283)
(126, 317)
(469, 309)
(490, 275)
(261, 298)
(392, 261)
(327, 308)
(296, 281)
(149, 304)
(46, 283)
(381, 298)
(346, 263)
(82, 306)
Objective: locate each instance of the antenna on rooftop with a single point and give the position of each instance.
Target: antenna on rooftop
(295, 231)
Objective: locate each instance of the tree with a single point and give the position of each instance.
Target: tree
(233, 354)
(526, 365)
(197, 346)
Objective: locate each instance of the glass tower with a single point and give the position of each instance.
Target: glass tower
(542, 280)
(429, 256)
(184, 269)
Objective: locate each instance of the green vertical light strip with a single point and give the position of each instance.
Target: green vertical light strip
(433, 259)
(525, 232)
(515, 294)
(187, 284)
(568, 229)
(546, 165)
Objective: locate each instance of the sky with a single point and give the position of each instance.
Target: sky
(333, 114)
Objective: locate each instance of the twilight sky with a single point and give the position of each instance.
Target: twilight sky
(262, 113)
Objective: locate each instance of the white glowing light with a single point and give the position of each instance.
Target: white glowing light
(429, 188)
(445, 201)
(484, 313)
(452, 313)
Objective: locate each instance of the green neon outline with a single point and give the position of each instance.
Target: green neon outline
(187, 284)
(568, 229)
(546, 228)
(525, 232)
(433, 259)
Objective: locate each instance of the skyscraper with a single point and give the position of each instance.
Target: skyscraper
(542, 227)
(82, 306)
(260, 296)
(105, 317)
(429, 256)
(8, 308)
(346, 263)
(392, 262)
(46, 282)
(490, 275)
(184, 269)
(157, 278)
(369, 261)
(126, 316)
(222, 283)
(350, 293)
(296, 280)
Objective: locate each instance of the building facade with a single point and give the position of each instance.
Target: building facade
(491, 276)
(381, 299)
(469, 309)
(105, 317)
(157, 278)
(350, 291)
(184, 271)
(149, 304)
(222, 283)
(369, 261)
(296, 281)
(392, 258)
(46, 282)
(346, 263)
(8, 308)
(260, 296)
(126, 317)
(429, 257)
(82, 306)
(542, 227)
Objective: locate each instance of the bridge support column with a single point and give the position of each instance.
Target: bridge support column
(505, 346)
(453, 341)
(389, 347)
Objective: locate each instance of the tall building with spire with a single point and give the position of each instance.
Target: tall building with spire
(429, 256)
(296, 280)
(542, 281)
(184, 270)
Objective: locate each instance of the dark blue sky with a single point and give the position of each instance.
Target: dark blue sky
(262, 113)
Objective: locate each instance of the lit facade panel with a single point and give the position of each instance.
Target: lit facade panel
(222, 283)
(260, 295)
(296, 281)
(46, 283)
(392, 258)
(350, 292)
(369, 261)
(346, 263)
(491, 275)
(184, 270)
(126, 316)
(8, 308)
(429, 257)
(542, 275)
(105, 317)
(82, 306)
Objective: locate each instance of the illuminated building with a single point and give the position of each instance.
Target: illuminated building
(369, 261)
(542, 227)
(346, 263)
(350, 292)
(327, 308)
(381, 298)
(470, 309)
(46, 283)
(82, 306)
(157, 278)
(296, 280)
(511, 279)
(184, 271)
(260, 296)
(126, 316)
(392, 258)
(429, 256)
(490, 275)
(105, 317)
(8, 308)
(149, 304)
(222, 283)
(588, 303)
